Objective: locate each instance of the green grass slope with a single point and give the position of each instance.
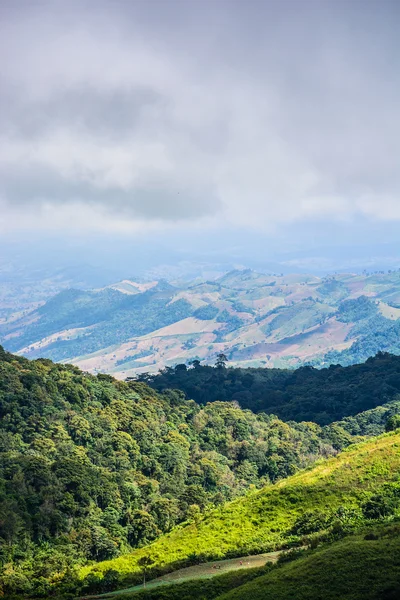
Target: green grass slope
(352, 569)
(276, 516)
(355, 568)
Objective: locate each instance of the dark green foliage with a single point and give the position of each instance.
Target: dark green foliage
(311, 522)
(370, 422)
(321, 395)
(350, 311)
(393, 423)
(375, 334)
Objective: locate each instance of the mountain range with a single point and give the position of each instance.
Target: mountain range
(255, 319)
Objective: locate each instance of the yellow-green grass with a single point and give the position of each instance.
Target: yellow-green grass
(203, 571)
(352, 569)
(262, 520)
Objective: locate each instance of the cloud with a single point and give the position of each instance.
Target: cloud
(135, 114)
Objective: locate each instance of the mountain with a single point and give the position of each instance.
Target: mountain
(26, 287)
(255, 319)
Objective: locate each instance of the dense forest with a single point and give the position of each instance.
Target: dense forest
(304, 394)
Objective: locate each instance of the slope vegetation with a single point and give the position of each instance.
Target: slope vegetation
(360, 483)
(305, 394)
(92, 467)
(353, 569)
(363, 567)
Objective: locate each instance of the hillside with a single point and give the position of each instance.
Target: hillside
(338, 495)
(362, 567)
(256, 319)
(93, 470)
(92, 467)
(304, 394)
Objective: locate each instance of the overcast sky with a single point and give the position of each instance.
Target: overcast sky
(151, 115)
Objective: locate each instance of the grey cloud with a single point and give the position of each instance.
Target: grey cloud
(109, 113)
(251, 112)
(37, 185)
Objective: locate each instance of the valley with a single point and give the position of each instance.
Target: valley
(257, 320)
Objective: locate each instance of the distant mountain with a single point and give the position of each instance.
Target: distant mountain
(255, 319)
(25, 287)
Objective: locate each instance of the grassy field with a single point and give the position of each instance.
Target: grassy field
(262, 521)
(362, 567)
(353, 569)
(203, 571)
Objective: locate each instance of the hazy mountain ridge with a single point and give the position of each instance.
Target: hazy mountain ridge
(254, 318)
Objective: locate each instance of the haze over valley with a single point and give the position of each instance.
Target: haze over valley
(255, 319)
(199, 299)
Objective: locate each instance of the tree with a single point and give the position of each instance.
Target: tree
(143, 529)
(195, 363)
(221, 361)
(378, 506)
(145, 562)
(392, 423)
(110, 580)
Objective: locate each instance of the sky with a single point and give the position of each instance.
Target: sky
(269, 120)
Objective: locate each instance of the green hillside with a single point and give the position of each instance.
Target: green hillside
(338, 495)
(362, 567)
(96, 474)
(353, 569)
(92, 468)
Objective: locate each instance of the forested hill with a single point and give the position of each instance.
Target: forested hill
(92, 467)
(304, 394)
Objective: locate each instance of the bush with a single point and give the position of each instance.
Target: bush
(378, 507)
(311, 522)
(392, 423)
